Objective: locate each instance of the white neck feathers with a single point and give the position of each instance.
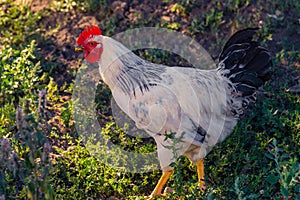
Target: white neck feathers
(122, 69)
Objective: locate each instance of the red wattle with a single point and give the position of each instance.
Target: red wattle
(94, 55)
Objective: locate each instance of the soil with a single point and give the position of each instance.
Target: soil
(125, 14)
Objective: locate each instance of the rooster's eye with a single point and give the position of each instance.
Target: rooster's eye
(92, 43)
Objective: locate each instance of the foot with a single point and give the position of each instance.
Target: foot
(164, 195)
(156, 195)
(200, 172)
(202, 186)
(157, 190)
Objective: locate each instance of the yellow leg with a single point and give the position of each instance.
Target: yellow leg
(161, 183)
(200, 171)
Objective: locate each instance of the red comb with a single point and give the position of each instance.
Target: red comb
(88, 32)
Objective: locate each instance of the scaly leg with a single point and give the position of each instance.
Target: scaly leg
(200, 171)
(162, 181)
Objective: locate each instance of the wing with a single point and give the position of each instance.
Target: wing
(189, 102)
(185, 100)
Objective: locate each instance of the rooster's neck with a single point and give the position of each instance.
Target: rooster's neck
(121, 69)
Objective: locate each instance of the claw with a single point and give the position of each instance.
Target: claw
(202, 186)
(164, 195)
(168, 190)
(157, 190)
(200, 171)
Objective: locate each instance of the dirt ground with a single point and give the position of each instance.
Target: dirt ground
(62, 28)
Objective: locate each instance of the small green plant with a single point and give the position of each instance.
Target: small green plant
(240, 193)
(178, 9)
(286, 172)
(19, 82)
(84, 6)
(213, 19)
(65, 5)
(18, 25)
(176, 164)
(18, 73)
(236, 5)
(181, 165)
(25, 162)
(53, 91)
(66, 114)
(174, 26)
(210, 21)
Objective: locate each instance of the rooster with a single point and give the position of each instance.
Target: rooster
(201, 107)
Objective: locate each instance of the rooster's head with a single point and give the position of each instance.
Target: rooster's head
(90, 42)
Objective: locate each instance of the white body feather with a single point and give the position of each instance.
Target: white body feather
(176, 99)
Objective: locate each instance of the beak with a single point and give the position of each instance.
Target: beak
(78, 48)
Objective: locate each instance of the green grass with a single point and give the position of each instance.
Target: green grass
(260, 160)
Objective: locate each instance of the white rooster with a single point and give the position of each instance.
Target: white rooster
(200, 106)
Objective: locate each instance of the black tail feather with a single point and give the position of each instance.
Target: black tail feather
(245, 62)
(240, 37)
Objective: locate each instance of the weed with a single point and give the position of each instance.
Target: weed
(18, 73)
(210, 21)
(25, 162)
(17, 25)
(286, 173)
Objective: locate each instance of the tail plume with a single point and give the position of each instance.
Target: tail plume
(245, 63)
